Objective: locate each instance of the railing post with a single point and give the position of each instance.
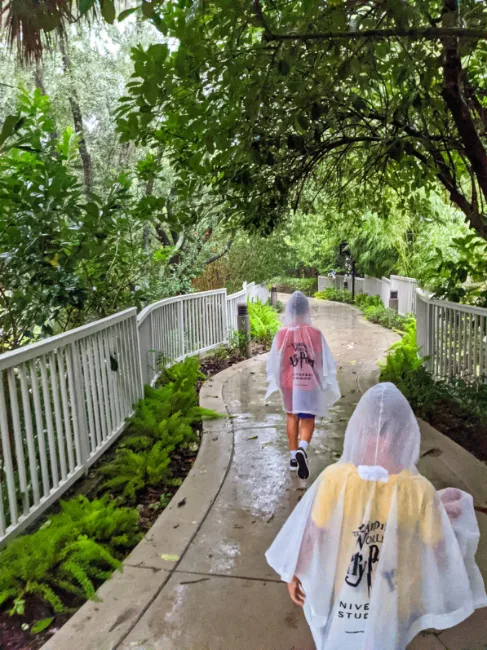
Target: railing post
(243, 321)
(80, 405)
(225, 332)
(274, 296)
(181, 327)
(394, 300)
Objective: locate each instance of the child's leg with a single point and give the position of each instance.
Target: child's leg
(292, 431)
(306, 430)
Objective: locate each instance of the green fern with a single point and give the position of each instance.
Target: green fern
(83, 544)
(264, 321)
(66, 555)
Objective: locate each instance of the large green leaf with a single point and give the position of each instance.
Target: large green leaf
(85, 6)
(108, 10)
(11, 124)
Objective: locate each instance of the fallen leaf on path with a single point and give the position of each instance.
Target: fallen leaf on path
(169, 558)
(270, 518)
(182, 503)
(352, 363)
(253, 438)
(265, 444)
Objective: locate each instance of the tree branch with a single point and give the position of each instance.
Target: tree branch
(452, 73)
(417, 34)
(219, 255)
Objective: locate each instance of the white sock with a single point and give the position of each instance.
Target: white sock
(303, 444)
(293, 455)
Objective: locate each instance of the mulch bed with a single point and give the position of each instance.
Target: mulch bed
(12, 636)
(466, 429)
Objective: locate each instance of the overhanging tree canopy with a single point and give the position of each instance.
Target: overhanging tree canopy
(256, 98)
(253, 98)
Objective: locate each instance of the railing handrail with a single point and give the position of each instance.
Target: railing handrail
(166, 301)
(469, 309)
(405, 278)
(28, 352)
(237, 294)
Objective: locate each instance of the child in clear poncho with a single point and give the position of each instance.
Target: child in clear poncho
(301, 367)
(372, 552)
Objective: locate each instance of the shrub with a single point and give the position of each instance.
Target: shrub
(68, 554)
(163, 421)
(84, 543)
(289, 285)
(338, 295)
(363, 300)
(264, 322)
(385, 317)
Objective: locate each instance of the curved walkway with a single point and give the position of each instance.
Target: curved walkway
(199, 580)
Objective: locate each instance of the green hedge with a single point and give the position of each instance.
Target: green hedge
(338, 295)
(371, 307)
(455, 406)
(289, 285)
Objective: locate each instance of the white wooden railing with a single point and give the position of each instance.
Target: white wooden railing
(382, 287)
(65, 400)
(452, 337)
(406, 293)
(62, 402)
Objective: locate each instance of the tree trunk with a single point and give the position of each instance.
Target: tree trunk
(77, 114)
(464, 122)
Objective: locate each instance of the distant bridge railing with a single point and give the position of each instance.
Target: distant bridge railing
(452, 337)
(66, 399)
(382, 287)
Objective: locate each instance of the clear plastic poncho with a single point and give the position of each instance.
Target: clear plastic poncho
(300, 363)
(372, 543)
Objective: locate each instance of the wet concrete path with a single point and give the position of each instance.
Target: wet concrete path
(223, 595)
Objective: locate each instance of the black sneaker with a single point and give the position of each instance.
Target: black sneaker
(303, 467)
(293, 464)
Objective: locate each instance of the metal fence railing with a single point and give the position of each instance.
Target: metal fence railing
(65, 400)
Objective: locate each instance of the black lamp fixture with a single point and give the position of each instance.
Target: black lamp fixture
(345, 252)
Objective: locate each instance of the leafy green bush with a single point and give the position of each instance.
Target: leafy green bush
(363, 300)
(264, 321)
(455, 406)
(84, 543)
(385, 317)
(403, 361)
(73, 549)
(289, 285)
(371, 307)
(163, 421)
(338, 295)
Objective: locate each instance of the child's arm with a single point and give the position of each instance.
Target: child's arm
(296, 591)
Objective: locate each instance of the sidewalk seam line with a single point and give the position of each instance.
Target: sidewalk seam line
(174, 569)
(223, 575)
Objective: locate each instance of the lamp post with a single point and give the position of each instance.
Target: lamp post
(345, 252)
